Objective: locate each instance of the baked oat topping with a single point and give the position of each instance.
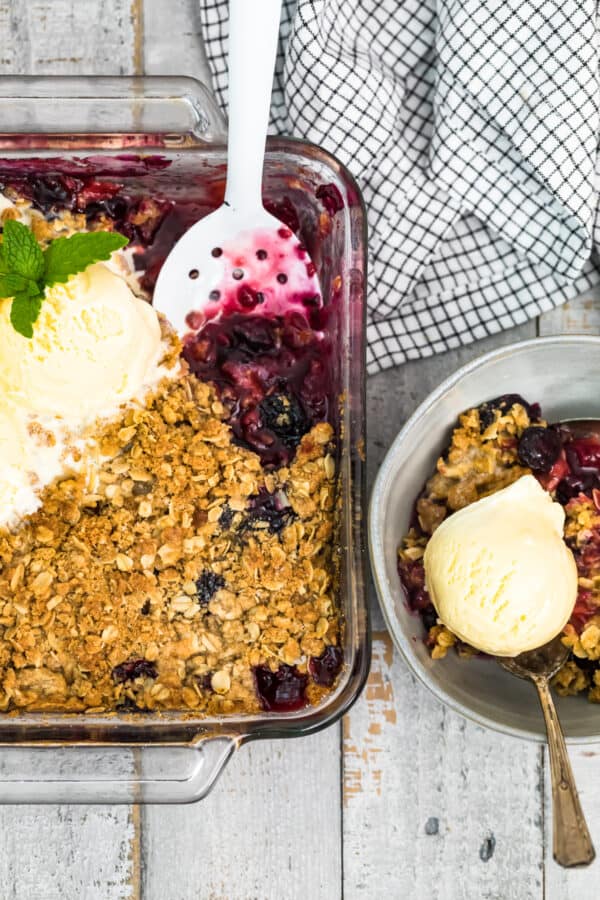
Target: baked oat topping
(193, 568)
(167, 586)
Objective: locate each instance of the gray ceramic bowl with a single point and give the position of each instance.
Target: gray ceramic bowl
(563, 374)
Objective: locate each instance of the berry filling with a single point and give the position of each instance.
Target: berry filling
(539, 448)
(272, 376)
(272, 509)
(412, 577)
(280, 691)
(285, 211)
(207, 586)
(412, 574)
(584, 455)
(250, 361)
(152, 225)
(324, 669)
(134, 668)
(580, 470)
(330, 197)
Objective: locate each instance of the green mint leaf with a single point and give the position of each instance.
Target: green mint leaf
(14, 284)
(21, 253)
(24, 311)
(68, 256)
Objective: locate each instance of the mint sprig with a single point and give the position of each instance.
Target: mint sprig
(24, 310)
(26, 270)
(21, 252)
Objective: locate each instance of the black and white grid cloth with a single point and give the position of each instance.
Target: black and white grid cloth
(472, 129)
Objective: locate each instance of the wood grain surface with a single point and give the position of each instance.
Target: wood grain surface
(408, 801)
(429, 807)
(271, 828)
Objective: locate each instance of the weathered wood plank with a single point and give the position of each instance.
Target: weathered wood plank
(50, 852)
(172, 39)
(270, 829)
(67, 853)
(434, 806)
(66, 37)
(580, 316)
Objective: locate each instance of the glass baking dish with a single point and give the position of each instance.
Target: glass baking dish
(120, 127)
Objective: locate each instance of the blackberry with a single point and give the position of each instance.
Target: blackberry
(504, 403)
(270, 508)
(570, 486)
(586, 665)
(280, 691)
(324, 668)
(428, 617)
(207, 586)
(50, 193)
(283, 415)
(539, 448)
(226, 517)
(132, 669)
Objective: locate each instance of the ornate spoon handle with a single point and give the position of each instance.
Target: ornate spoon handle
(572, 844)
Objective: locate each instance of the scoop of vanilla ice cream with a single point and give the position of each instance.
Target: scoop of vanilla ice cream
(499, 572)
(93, 347)
(15, 487)
(31, 456)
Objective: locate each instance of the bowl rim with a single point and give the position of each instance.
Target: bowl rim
(376, 552)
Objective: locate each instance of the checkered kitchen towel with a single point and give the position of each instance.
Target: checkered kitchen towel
(472, 129)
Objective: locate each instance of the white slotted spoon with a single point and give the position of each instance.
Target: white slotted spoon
(240, 251)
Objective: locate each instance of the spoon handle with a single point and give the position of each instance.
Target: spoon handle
(572, 844)
(253, 34)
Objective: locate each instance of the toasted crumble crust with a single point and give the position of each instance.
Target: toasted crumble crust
(107, 572)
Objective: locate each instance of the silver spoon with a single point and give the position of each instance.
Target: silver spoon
(572, 844)
(582, 428)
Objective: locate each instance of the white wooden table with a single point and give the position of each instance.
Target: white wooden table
(404, 799)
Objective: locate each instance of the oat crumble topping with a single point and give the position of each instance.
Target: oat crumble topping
(165, 586)
(181, 574)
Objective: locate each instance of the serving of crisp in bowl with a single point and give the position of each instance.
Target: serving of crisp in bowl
(519, 387)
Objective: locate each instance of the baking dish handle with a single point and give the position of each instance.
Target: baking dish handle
(78, 774)
(180, 110)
